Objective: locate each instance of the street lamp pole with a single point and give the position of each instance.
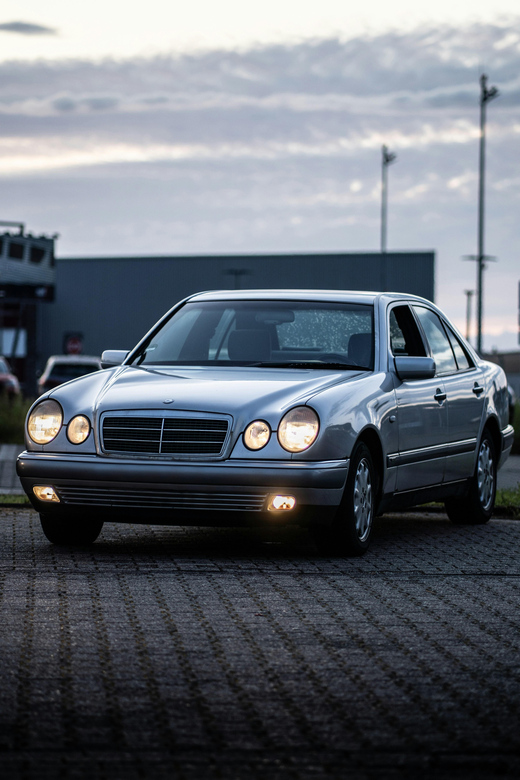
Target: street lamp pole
(387, 159)
(486, 94)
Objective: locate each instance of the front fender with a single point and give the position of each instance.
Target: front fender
(346, 410)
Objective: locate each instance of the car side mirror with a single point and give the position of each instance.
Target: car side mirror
(113, 357)
(414, 367)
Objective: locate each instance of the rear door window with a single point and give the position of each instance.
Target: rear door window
(438, 340)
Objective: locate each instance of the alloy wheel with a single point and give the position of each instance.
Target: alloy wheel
(485, 475)
(363, 501)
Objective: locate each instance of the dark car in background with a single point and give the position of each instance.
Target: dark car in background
(62, 368)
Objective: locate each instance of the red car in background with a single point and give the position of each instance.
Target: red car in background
(9, 384)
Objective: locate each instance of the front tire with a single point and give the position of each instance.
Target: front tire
(351, 529)
(477, 506)
(70, 530)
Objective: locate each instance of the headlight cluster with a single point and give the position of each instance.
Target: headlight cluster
(78, 429)
(297, 431)
(45, 422)
(256, 435)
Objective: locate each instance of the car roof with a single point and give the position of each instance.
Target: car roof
(73, 359)
(339, 296)
(6, 363)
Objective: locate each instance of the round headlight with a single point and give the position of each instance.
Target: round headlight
(78, 429)
(256, 435)
(298, 429)
(44, 422)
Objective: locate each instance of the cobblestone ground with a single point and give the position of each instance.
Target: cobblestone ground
(177, 653)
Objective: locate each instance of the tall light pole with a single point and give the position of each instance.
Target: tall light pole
(387, 159)
(486, 94)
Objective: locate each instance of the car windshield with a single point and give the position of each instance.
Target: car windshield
(263, 333)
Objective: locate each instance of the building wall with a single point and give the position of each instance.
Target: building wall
(113, 301)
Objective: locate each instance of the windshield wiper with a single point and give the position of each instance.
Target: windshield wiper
(319, 364)
(316, 364)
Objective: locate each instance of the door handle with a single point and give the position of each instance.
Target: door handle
(477, 389)
(439, 396)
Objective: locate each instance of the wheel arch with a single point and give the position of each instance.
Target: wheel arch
(371, 438)
(493, 427)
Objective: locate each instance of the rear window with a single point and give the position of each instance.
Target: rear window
(71, 370)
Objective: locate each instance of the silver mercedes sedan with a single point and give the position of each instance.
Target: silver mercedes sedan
(283, 406)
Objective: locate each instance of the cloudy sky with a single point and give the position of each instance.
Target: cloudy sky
(221, 127)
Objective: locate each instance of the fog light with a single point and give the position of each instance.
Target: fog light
(281, 503)
(46, 493)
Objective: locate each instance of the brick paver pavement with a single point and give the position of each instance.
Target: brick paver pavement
(178, 653)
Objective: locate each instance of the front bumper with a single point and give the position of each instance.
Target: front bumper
(180, 493)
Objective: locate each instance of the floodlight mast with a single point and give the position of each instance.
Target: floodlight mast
(469, 294)
(387, 159)
(486, 94)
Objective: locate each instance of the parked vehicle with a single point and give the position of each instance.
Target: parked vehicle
(511, 396)
(9, 384)
(62, 368)
(310, 407)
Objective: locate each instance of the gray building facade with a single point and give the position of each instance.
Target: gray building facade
(110, 302)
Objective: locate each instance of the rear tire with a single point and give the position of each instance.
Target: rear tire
(69, 530)
(477, 506)
(351, 529)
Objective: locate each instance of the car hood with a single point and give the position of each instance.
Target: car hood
(214, 390)
(235, 391)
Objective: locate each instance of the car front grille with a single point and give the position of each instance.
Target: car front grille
(76, 495)
(174, 436)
